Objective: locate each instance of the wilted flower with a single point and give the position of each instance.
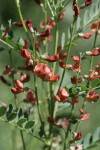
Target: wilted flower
(5, 32)
(63, 65)
(6, 82)
(37, 45)
(75, 79)
(77, 136)
(60, 123)
(31, 97)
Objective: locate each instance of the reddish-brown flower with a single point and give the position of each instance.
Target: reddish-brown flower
(55, 78)
(87, 3)
(29, 24)
(24, 77)
(77, 136)
(51, 58)
(50, 23)
(5, 33)
(45, 73)
(62, 55)
(60, 123)
(29, 65)
(63, 65)
(92, 96)
(19, 84)
(24, 53)
(76, 66)
(10, 71)
(62, 95)
(25, 44)
(95, 52)
(84, 116)
(46, 33)
(85, 35)
(16, 90)
(76, 10)
(37, 45)
(75, 80)
(31, 97)
(19, 88)
(19, 24)
(96, 26)
(95, 73)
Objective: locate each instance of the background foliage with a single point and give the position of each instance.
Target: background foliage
(31, 10)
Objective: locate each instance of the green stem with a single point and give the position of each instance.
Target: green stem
(45, 21)
(52, 12)
(22, 137)
(33, 45)
(66, 135)
(20, 15)
(37, 99)
(55, 46)
(16, 104)
(21, 18)
(68, 53)
(13, 79)
(8, 45)
(68, 130)
(94, 45)
(35, 83)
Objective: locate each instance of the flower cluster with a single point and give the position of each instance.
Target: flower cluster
(45, 73)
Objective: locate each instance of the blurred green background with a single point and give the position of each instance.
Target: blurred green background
(30, 10)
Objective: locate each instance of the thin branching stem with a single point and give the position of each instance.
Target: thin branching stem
(21, 18)
(68, 53)
(22, 129)
(16, 103)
